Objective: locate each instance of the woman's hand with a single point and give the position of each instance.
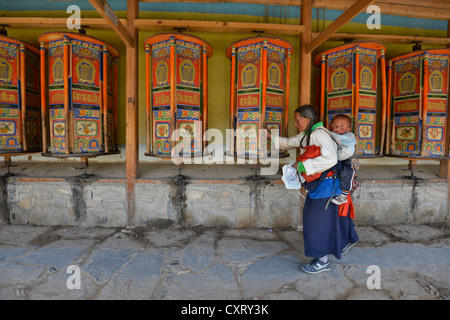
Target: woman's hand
(296, 166)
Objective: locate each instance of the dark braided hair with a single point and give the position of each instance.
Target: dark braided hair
(307, 111)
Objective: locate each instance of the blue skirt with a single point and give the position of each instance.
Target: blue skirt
(348, 233)
(324, 232)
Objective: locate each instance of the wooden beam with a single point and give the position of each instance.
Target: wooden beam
(304, 83)
(132, 107)
(110, 17)
(441, 4)
(345, 17)
(338, 4)
(218, 26)
(54, 23)
(158, 25)
(433, 9)
(386, 38)
(264, 2)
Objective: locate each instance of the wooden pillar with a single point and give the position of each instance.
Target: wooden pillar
(132, 124)
(304, 82)
(444, 165)
(43, 99)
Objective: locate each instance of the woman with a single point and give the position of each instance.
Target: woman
(321, 225)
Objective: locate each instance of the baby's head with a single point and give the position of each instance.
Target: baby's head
(341, 124)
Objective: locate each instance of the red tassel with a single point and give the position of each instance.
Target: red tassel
(347, 208)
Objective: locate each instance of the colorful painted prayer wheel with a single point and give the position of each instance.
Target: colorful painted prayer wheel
(418, 105)
(20, 127)
(350, 84)
(259, 93)
(82, 94)
(176, 94)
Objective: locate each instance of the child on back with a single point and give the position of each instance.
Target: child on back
(340, 127)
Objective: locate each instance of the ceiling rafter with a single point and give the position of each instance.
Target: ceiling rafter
(345, 17)
(110, 17)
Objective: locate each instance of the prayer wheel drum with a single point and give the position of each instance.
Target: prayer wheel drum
(259, 93)
(349, 84)
(20, 120)
(418, 105)
(82, 91)
(176, 94)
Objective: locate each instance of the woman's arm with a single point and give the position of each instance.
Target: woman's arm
(288, 143)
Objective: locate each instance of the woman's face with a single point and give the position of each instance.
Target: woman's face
(300, 122)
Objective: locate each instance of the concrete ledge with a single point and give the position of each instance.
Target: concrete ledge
(218, 195)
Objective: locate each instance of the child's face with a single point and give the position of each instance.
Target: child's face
(340, 126)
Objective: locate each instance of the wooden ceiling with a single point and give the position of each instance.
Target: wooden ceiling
(427, 9)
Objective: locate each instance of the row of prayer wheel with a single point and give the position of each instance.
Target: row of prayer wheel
(65, 94)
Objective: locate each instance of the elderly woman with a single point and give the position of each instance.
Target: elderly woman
(322, 231)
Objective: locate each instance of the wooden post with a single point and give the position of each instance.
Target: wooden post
(388, 108)
(304, 84)
(132, 124)
(323, 68)
(205, 95)
(104, 106)
(355, 111)
(148, 109)
(66, 94)
(116, 123)
(43, 99)
(23, 101)
(383, 100)
(173, 88)
(286, 100)
(444, 165)
(232, 99)
(262, 120)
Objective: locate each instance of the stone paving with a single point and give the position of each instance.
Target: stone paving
(37, 262)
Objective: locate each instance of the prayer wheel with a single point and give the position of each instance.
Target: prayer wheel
(259, 94)
(20, 127)
(349, 84)
(176, 94)
(418, 105)
(81, 111)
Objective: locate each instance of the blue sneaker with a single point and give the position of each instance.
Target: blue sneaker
(316, 266)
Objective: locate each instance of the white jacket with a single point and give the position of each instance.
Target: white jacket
(319, 137)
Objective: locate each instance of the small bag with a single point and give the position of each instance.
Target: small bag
(290, 177)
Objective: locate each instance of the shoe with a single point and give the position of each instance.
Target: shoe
(316, 266)
(347, 247)
(340, 199)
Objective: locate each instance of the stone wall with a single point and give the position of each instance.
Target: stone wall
(182, 202)
(402, 201)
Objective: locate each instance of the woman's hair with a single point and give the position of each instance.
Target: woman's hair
(307, 111)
